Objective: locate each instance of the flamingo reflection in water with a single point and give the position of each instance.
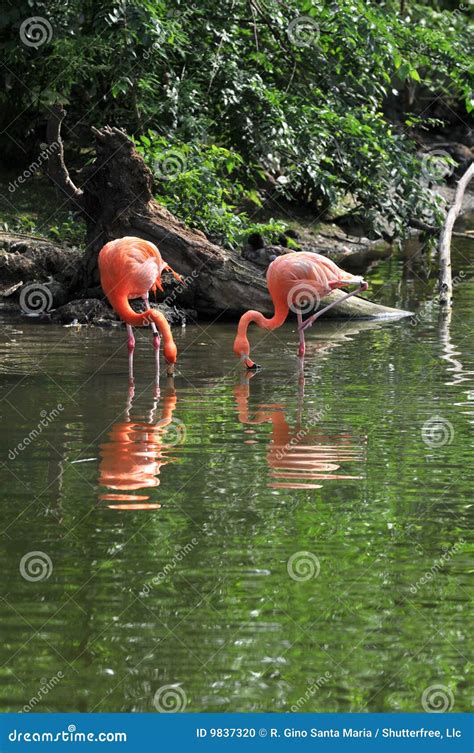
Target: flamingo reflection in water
(301, 456)
(132, 457)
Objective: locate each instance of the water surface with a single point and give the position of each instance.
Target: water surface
(256, 543)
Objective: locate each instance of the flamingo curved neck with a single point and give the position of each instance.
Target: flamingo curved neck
(262, 321)
(241, 343)
(129, 316)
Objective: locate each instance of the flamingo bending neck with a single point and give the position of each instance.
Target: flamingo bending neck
(241, 342)
(122, 306)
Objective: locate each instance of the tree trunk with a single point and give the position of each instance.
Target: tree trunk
(116, 199)
(445, 273)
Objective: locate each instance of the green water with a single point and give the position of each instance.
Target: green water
(258, 545)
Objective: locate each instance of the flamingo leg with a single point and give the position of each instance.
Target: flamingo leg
(156, 339)
(309, 322)
(131, 395)
(131, 348)
(302, 347)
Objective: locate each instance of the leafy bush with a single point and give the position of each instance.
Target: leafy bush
(201, 184)
(322, 95)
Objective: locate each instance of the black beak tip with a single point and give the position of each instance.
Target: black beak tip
(254, 367)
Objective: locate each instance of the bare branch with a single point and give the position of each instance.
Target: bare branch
(57, 170)
(445, 272)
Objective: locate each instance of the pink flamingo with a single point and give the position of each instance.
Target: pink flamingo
(296, 281)
(129, 268)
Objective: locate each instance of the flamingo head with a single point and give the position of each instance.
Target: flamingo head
(242, 351)
(350, 280)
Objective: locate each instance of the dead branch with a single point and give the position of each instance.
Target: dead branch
(57, 170)
(444, 246)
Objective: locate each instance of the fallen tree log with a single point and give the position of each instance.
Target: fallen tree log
(444, 246)
(359, 308)
(115, 199)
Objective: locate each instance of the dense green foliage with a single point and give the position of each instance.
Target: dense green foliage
(201, 183)
(321, 96)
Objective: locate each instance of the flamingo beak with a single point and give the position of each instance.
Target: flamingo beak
(250, 365)
(170, 369)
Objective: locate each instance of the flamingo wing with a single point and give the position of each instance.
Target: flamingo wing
(304, 269)
(130, 265)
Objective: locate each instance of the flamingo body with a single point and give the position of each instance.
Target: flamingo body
(318, 274)
(294, 281)
(129, 268)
